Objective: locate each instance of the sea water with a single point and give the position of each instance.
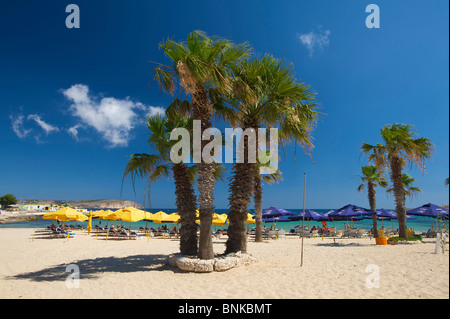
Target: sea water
(420, 224)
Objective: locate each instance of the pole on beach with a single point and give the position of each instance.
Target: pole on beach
(303, 219)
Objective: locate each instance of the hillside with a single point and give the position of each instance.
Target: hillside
(89, 203)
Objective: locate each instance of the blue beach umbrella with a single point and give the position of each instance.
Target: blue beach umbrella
(429, 210)
(275, 212)
(309, 214)
(350, 212)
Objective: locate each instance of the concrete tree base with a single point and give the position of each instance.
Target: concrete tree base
(223, 263)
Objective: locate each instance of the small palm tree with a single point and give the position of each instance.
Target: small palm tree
(154, 166)
(409, 189)
(372, 178)
(399, 149)
(201, 65)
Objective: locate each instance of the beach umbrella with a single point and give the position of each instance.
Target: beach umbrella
(89, 226)
(220, 220)
(172, 218)
(276, 219)
(159, 217)
(148, 217)
(130, 215)
(429, 210)
(275, 212)
(309, 214)
(66, 214)
(350, 212)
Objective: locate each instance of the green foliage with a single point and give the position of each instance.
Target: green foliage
(7, 200)
(397, 239)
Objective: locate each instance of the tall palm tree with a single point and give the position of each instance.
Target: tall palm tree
(264, 93)
(373, 178)
(409, 189)
(399, 149)
(201, 65)
(157, 165)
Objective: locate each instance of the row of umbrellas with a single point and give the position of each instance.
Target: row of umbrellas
(272, 214)
(131, 214)
(351, 212)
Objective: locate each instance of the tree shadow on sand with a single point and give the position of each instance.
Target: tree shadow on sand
(92, 268)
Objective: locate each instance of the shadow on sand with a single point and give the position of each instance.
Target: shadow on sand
(92, 268)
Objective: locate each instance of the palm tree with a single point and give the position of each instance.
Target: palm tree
(157, 165)
(373, 178)
(407, 181)
(264, 93)
(201, 65)
(257, 198)
(400, 148)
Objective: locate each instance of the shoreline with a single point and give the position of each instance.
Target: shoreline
(36, 268)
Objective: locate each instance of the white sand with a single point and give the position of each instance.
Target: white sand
(138, 269)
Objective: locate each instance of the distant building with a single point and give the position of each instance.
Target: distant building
(40, 207)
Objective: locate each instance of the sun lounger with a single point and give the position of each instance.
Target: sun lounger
(134, 235)
(272, 234)
(351, 233)
(123, 235)
(431, 233)
(361, 233)
(281, 234)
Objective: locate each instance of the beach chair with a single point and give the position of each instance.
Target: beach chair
(272, 234)
(351, 233)
(361, 233)
(431, 233)
(281, 234)
(134, 235)
(123, 234)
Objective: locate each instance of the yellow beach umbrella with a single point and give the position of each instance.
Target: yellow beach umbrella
(129, 215)
(172, 218)
(219, 220)
(148, 216)
(159, 217)
(89, 226)
(66, 214)
(250, 219)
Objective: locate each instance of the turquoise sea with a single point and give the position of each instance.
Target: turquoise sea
(420, 224)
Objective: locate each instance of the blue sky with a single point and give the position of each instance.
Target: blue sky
(70, 98)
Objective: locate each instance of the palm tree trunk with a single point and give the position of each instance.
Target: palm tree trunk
(241, 191)
(258, 207)
(373, 207)
(202, 111)
(399, 194)
(186, 206)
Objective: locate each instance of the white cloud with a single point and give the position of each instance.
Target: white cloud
(111, 117)
(17, 126)
(48, 128)
(74, 131)
(155, 110)
(313, 40)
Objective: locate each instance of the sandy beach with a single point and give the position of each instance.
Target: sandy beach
(138, 269)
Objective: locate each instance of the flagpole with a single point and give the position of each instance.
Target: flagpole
(303, 219)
